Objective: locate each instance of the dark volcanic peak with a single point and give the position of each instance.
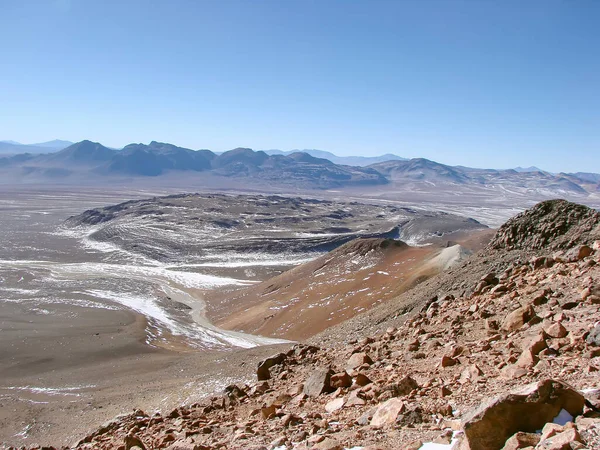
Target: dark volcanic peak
(157, 157)
(550, 225)
(82, 152)
(240, 160)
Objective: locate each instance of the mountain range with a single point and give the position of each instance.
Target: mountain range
(13, 147)
(92, 159)
(301, 169)
(346, 160)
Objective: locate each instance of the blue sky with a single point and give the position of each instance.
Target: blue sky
(480, 83)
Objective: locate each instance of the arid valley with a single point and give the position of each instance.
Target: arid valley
(144, 297)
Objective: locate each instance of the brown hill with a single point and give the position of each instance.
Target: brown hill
(319, 294)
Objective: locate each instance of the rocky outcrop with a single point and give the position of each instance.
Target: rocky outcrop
(550, 225)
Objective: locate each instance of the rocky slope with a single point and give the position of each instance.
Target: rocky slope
(501, 352)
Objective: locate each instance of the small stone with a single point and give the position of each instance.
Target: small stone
(521, 440)
(335, 405)
(550, 429)
(341, 380)
(560, 441)
(268, 412)
(327, 444)
(362, 380)
(556, 330)
(578, 253)
(470, 373)
(448, 361)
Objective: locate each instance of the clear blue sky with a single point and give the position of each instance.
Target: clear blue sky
(481, 83)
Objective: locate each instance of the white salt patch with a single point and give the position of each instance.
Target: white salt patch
(450, 446)
(563, 417)
(432, 446)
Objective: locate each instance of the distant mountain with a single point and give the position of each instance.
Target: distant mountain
(425, 172)
(84, 152)
(360, 161)
(13, 147)
(157, 158)
(56, 144)
(420, 169)
(527, 169)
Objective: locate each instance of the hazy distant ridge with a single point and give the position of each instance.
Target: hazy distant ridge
(306, 169)
(346, 160)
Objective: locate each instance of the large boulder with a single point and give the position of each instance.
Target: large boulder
(387, 413)
(528, 409)
(262, 372)
(519, 317)
(319, 382)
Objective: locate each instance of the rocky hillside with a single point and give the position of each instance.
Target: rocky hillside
(550, 225)
(503, 352)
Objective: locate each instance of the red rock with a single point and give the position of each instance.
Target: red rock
(527, 409)
(550, 429)
(387, 413)
(327, 444)
(470, 373)
(560, 441)
(341, 380)
(356, 399)
(556, 330)
(448, 361)
(521, 440)
(268, 412)
(335, 405)
(357, 360)
(362, 380)
(133, 441)
(519, 317)
(578, 253)
(527, 359)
